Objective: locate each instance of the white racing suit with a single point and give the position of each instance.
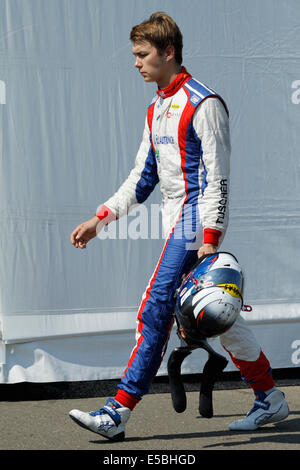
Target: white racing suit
(186, 148)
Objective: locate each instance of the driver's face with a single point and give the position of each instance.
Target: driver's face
(150, 64)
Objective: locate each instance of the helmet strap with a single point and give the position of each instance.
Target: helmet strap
(213, 367)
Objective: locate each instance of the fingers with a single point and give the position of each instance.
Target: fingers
(77, 237)
(74, 235)
(80, 243)
(206, 249)
(84, 232)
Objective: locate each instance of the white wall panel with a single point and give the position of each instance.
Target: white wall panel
(72, 111)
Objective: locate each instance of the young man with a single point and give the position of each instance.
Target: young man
(185, 147)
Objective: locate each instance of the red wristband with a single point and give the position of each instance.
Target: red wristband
(210, 235)
(105, 215)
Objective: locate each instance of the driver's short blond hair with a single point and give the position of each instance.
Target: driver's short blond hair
(161, 31)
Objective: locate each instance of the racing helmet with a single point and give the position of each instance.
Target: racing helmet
(210, 297)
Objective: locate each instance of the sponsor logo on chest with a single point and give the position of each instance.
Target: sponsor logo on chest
(163, 139)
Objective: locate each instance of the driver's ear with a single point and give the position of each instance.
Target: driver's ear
(169, 53)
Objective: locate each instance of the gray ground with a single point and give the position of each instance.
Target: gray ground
(154, 425)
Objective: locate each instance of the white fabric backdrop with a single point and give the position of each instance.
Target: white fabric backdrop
(72, 111)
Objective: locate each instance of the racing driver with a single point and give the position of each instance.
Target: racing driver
(186, 148)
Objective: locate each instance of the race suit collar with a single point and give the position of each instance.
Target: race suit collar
(174, 86)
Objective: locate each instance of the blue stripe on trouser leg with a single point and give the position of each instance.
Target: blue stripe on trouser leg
(156, 313)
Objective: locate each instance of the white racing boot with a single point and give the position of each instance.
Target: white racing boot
(268, 408)
(109, 421)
